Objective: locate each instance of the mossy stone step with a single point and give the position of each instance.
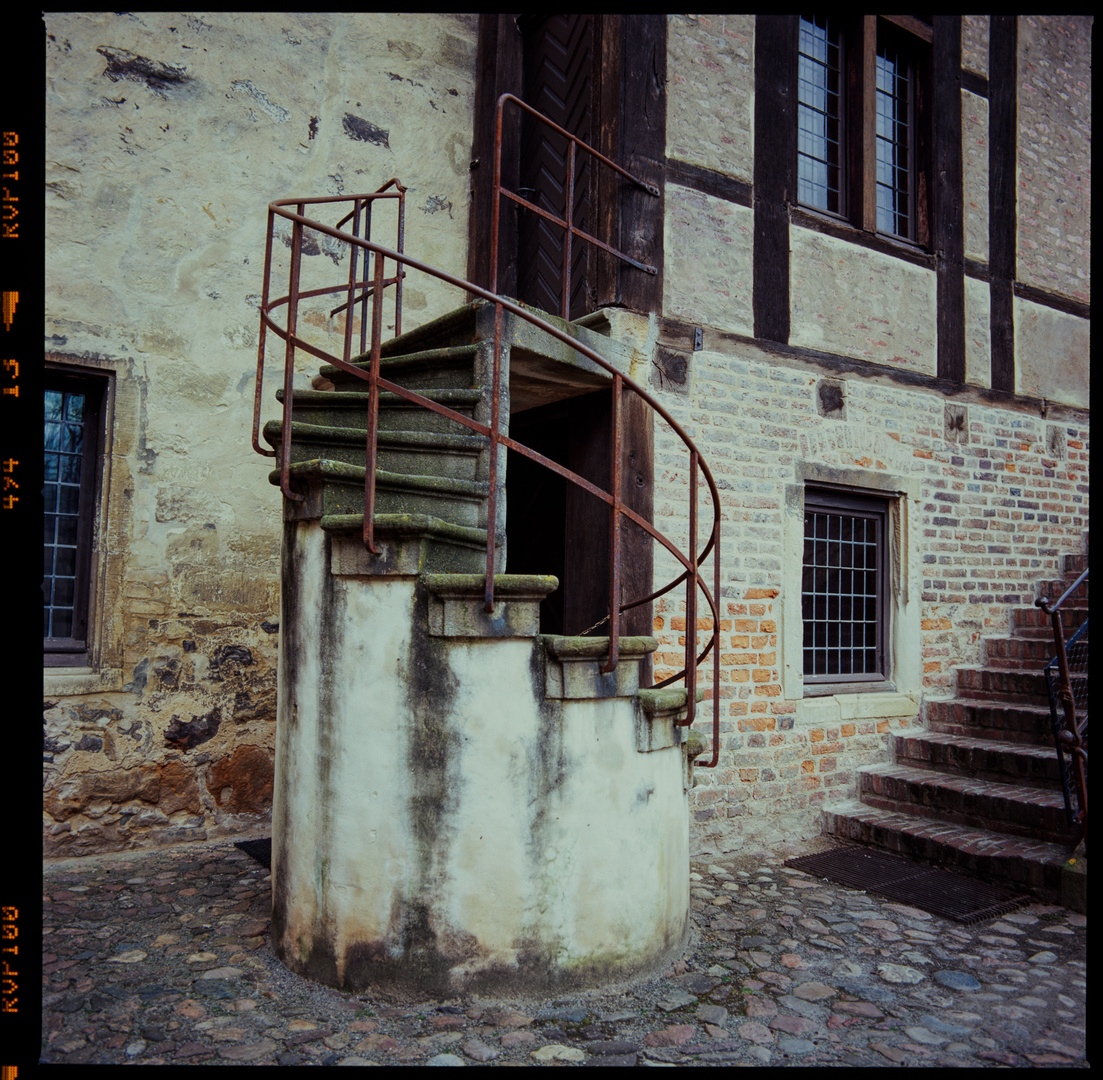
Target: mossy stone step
(418, 453)
(452, 367)
(335, 408)
(335, 488)
(408, 544)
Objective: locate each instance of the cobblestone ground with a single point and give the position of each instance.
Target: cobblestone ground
(163, 958)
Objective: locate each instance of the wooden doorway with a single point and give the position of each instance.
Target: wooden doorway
(557, 80)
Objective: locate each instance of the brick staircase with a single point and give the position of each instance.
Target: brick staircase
(980, 792)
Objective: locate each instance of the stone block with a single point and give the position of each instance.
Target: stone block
(573, 666)
(242, 782)
(456, 606)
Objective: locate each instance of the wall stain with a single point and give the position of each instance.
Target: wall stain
(158, 76)
(188, 734)
(363, 131)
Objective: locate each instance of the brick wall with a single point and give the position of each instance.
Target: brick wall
(974, 43)
(1002, 495)
(1054, 183)
(710, 94)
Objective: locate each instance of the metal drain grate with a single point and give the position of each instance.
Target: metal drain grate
(937, 891)
(261, 850)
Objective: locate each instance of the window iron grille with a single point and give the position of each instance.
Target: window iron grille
(843, 589)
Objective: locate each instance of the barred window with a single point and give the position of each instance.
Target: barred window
(71, 470)
(843, 587)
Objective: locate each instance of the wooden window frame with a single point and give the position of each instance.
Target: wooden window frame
(827, 501)
(861, 38)
(76, 649)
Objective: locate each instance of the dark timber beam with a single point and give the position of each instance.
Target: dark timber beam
(1002, 217)
(775, 162)
(948, 214)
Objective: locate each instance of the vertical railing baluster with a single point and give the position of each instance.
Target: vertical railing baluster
(289, 357)
(364, 301)
(257, 390)
(373, 407)
(350, 308)
(568, 217)
(399, 272)
(496, 196)
(691, 591)
(492, 495)
(614, 534)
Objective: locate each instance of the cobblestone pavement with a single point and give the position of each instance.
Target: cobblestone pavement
(163, 958)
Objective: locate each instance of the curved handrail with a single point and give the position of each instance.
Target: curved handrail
(691, 564)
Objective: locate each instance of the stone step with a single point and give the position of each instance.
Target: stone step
(455, 327)
(418, 453)
(1018, 652)
(987, 719)
(349, 409)
(1013, 686)
(456, 605)
(1001, 859)
(573, 666)
(1033, 622)
(1016, 809)
(335, 487)
(408, 544)
(452, 368)
(985, 759)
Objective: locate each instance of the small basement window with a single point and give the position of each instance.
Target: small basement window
(843, 589)
(72, 463)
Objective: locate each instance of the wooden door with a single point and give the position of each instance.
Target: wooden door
(557, 70)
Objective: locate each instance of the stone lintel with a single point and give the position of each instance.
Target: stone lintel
(456, 605)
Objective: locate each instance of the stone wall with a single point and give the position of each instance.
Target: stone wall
(1054, 181)
(710, 105)
(167, 136)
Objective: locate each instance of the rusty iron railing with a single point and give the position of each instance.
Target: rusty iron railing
(566, 223)
(374, 290)
(1067, 682)
(360, 214)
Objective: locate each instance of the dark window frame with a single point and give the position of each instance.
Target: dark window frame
(831, 600)
(862, 40)
(75, 649)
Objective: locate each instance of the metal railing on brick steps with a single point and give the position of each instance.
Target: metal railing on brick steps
(359, 289)
(1067, 681)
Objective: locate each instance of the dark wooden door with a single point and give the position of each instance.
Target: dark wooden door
(557, 80)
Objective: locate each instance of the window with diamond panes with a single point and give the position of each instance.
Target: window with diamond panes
(843, 601)
(70, 465)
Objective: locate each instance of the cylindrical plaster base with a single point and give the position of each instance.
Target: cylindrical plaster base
(440, 825)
